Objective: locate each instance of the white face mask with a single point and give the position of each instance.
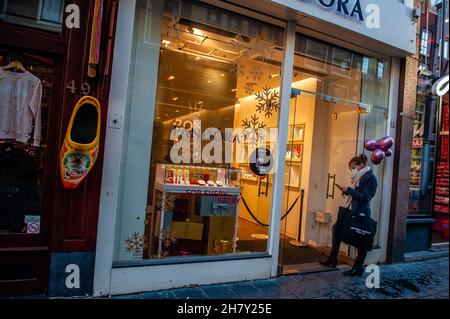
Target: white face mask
(355, 171)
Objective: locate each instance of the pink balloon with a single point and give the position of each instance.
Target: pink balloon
(388, 153)
(370, 145)
(385, 143)
(377, 156)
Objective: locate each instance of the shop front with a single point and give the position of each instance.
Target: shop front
(227, 131)
(427, 220)
(44, 66)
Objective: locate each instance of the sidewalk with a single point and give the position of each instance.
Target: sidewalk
(419, 280)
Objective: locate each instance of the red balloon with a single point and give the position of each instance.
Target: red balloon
(377, 156)
(385, 143)
(370, 145)
(388, 153)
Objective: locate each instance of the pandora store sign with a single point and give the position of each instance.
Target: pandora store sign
(390, 22)
(349, 8)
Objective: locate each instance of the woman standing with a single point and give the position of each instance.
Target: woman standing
(359, 194)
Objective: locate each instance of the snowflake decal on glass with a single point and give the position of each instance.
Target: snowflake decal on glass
(256, 73)
(158, 199)
(237, 68)
(135, 244)
(262, 48)
(252, 125)
(167, 198)
(268, 101)
(170, 201)
(168, 238)
(249, 88)
(239, 44)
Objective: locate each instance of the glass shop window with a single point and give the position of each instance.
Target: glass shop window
(40, 14)
(425, 37)
(198, 70)
(25, 93)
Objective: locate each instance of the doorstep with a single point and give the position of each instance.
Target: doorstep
(425, 255)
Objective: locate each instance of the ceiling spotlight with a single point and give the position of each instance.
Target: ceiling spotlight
(176, 111)
(170, 78)
(221, 74)
(175, 98)
(209, 81)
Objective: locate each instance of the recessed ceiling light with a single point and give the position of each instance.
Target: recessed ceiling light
(166, 114)
(170, 78)
(176, 111)
(221, 74)
(158, 118)
(209, 81)
(200, 102)
(233, 90)
(197, 32)
(175, 98)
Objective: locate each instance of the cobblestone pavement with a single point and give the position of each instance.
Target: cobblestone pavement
(417, 280)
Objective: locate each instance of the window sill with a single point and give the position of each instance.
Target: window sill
(187, 260)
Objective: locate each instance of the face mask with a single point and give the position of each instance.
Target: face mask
(355, 171)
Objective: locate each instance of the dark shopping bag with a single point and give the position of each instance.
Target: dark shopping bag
(359, 231)
(343, 215)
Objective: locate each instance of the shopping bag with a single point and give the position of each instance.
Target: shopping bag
(359, 231)
(343, 215)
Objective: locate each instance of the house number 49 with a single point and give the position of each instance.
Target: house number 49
(85, 87)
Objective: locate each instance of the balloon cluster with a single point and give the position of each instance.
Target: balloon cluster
(379, 148)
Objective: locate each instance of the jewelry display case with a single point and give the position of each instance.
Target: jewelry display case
(197, 205)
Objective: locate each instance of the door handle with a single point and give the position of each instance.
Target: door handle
(330, 177)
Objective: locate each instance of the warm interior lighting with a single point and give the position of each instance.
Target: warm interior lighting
(175, 98)
(198, 32)
(170, 78)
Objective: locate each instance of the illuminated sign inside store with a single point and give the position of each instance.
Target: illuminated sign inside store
(440, 87)
(346, 7)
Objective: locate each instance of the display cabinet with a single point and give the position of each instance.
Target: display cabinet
(211, 198)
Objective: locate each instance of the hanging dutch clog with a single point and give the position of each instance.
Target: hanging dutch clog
(80, 147)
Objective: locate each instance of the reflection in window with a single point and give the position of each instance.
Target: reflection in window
(41, 14)
(25, 94)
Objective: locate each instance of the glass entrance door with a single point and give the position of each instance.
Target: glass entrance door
(324, 133)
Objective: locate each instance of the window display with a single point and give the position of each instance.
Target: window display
(205, 71)
(25, 83)
(188, 209)
(428, 195)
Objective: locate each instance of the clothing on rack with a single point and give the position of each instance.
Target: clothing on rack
(20, 107)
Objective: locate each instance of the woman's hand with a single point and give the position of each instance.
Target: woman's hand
(343, 189)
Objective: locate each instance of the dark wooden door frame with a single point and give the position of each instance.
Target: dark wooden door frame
(68, 218)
